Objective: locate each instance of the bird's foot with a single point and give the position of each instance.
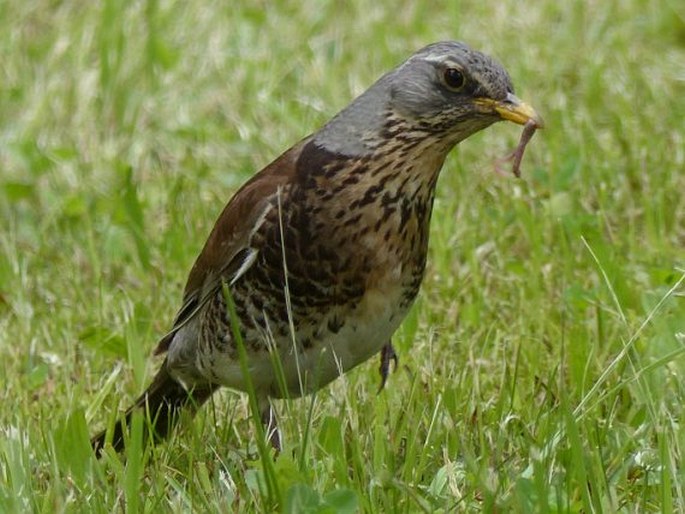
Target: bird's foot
(387, 355)
(273, 434)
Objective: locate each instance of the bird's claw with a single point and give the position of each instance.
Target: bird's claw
(388, 354)
(273, 434)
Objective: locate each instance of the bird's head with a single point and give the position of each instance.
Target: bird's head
(445, 91)
(449, 89)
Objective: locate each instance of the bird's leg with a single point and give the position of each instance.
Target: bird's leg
(273, 435)
(387, 354)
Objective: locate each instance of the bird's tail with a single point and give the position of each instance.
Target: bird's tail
(163, 400)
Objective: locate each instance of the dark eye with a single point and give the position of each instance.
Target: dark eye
(454, 79)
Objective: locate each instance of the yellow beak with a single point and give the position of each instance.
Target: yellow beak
(512, 109)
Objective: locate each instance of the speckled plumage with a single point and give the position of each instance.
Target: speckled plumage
(324, 250)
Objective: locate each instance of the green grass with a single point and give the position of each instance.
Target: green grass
(541, 368)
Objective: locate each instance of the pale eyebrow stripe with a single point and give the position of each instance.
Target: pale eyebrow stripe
(440, 58)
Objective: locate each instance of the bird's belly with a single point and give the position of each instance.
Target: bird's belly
(362, 331)
(361, 337)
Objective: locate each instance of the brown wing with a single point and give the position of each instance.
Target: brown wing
(226, 249)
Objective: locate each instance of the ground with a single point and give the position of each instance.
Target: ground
(540, 370)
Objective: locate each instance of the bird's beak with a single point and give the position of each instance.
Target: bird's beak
(512, 109)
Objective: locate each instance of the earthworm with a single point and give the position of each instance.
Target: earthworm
(517, 155)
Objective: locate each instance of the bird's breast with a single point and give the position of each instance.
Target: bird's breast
(339, 263)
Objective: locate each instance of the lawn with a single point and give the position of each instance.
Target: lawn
(541, 368)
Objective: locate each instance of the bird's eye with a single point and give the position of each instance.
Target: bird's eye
(454, 78)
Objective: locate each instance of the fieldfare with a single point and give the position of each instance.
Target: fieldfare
(320, 255)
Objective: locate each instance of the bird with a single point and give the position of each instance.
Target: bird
(315, 261)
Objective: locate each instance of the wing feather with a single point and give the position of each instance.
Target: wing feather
(227, 254)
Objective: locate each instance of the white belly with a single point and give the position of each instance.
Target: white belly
(366, 330)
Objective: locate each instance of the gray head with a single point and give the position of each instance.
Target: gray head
(445, 91)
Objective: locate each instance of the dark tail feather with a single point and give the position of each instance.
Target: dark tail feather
(164, 400)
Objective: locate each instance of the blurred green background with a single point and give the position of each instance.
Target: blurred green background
(541, 367)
